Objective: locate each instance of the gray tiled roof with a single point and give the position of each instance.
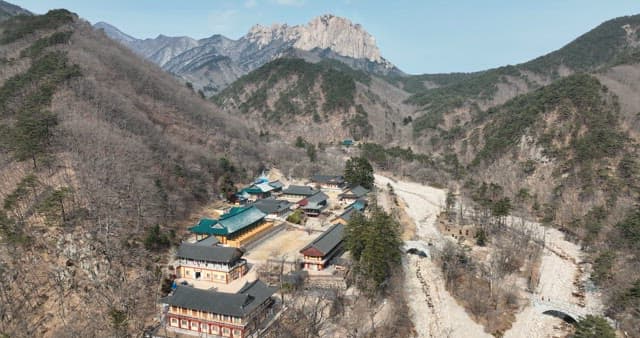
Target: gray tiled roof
(328, 240)
(209, 241)
(276, 184)
(317, 197)
(238, 304)
(357, 191)
(272, 205)
(199, 252)
(301, 190)
(334, 179)
(348, 213)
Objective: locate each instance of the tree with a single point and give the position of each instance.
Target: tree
(450, 201)
(358, 171)
(374, 243)
(501, 208)
(354, 235)
(594, 327)
(53, 206)
(155, 240)
(300, 142)
(226, 186)
(32, 135)
(311, 152)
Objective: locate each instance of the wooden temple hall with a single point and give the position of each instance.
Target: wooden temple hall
(236, 228)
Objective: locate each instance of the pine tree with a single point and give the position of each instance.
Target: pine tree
(32, 135)
(374, 243)
(358, 171)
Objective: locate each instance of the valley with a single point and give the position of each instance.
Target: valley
(293, 182)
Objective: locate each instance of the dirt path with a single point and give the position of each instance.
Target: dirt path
(433, 310)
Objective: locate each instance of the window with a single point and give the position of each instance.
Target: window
(194, 326)
(204, 327)
(237, 333)
(184, 324)
(198, 274)
(226, 332)
(174, 322)
(215, 329)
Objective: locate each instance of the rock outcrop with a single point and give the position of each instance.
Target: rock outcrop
(213, 63)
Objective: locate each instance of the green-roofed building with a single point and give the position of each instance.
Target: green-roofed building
(204, 228)
(347, 142)
(236, 227)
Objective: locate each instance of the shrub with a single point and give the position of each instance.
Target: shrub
(296, 217)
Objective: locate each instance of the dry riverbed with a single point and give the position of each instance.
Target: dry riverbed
(436, 313)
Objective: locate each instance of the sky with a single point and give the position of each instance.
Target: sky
(418, 36)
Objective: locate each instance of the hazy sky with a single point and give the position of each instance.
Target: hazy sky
(419, 36)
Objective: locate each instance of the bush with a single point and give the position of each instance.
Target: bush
(296, 217)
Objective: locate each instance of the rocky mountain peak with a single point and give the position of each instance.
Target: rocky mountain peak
(327, 31)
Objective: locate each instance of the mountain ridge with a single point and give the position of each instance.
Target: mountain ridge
(212, 63)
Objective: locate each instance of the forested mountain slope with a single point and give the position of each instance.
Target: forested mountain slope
(448, 100)
(325, 102)
(97, 147)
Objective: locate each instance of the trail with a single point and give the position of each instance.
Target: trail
(434, 311)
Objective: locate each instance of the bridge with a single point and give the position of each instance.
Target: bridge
(569, 312)
(566, 311)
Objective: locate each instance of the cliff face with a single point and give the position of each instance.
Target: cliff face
(324, 32)
(213, 63)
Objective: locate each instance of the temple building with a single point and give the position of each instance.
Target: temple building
(206, 313)
(277, 187)
(352, 194)
(274, 208)
(328, 181)
(257, 191)
(295, 193)
(236, 228)
(205, 261)
(319, 253)
(314, 204)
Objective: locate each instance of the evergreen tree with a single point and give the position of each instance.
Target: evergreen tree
(355, 235)
(155, 240)
(374, 243)
(53, 206)
(593, 327)
(227, 187)
(32, 135)
(358, 171)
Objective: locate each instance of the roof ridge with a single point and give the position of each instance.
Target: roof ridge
(325, 233)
